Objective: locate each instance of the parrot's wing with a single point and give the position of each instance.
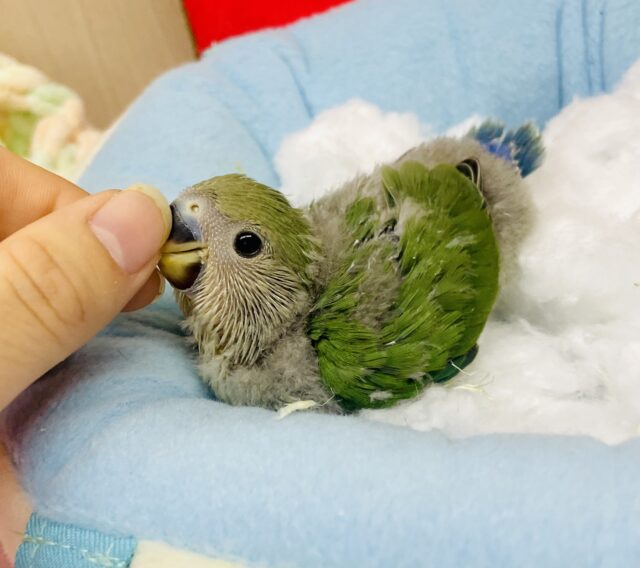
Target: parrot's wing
(442, 281)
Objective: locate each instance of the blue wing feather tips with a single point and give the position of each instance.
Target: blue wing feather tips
(522, 146)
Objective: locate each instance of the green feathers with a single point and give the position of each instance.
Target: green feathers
(375, 291)
(432, 245)
(286, 228)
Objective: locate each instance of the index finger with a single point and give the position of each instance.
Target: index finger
(28, 192)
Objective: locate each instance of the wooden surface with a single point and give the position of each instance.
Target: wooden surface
(107, 50)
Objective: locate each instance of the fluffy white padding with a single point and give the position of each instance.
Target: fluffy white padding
(324, 156)
(562, 356)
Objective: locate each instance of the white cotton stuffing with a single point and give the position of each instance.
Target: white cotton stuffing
(342, 142)
(562, 355)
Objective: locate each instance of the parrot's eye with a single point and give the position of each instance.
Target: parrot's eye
(247, 244)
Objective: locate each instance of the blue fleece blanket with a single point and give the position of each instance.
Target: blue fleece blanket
(124, 438)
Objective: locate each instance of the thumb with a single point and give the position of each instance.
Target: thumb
(65, 276)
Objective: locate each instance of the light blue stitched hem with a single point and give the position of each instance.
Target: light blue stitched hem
(49, 544)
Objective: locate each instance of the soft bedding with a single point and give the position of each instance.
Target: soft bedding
(559, 354)
(122, 443)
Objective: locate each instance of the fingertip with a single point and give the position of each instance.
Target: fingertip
(161, 203)
(132, 228)
(151, 290)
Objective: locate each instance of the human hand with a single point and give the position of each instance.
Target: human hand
(69, 263)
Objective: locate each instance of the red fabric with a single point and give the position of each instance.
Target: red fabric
(215, 20)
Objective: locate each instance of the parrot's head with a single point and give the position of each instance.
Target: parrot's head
(242, 261)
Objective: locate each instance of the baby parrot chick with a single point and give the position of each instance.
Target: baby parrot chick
(366, 296)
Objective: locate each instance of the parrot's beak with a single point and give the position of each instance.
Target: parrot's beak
(183, 255)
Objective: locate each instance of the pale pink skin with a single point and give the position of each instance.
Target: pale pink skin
(15, 511)
(4, 561)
